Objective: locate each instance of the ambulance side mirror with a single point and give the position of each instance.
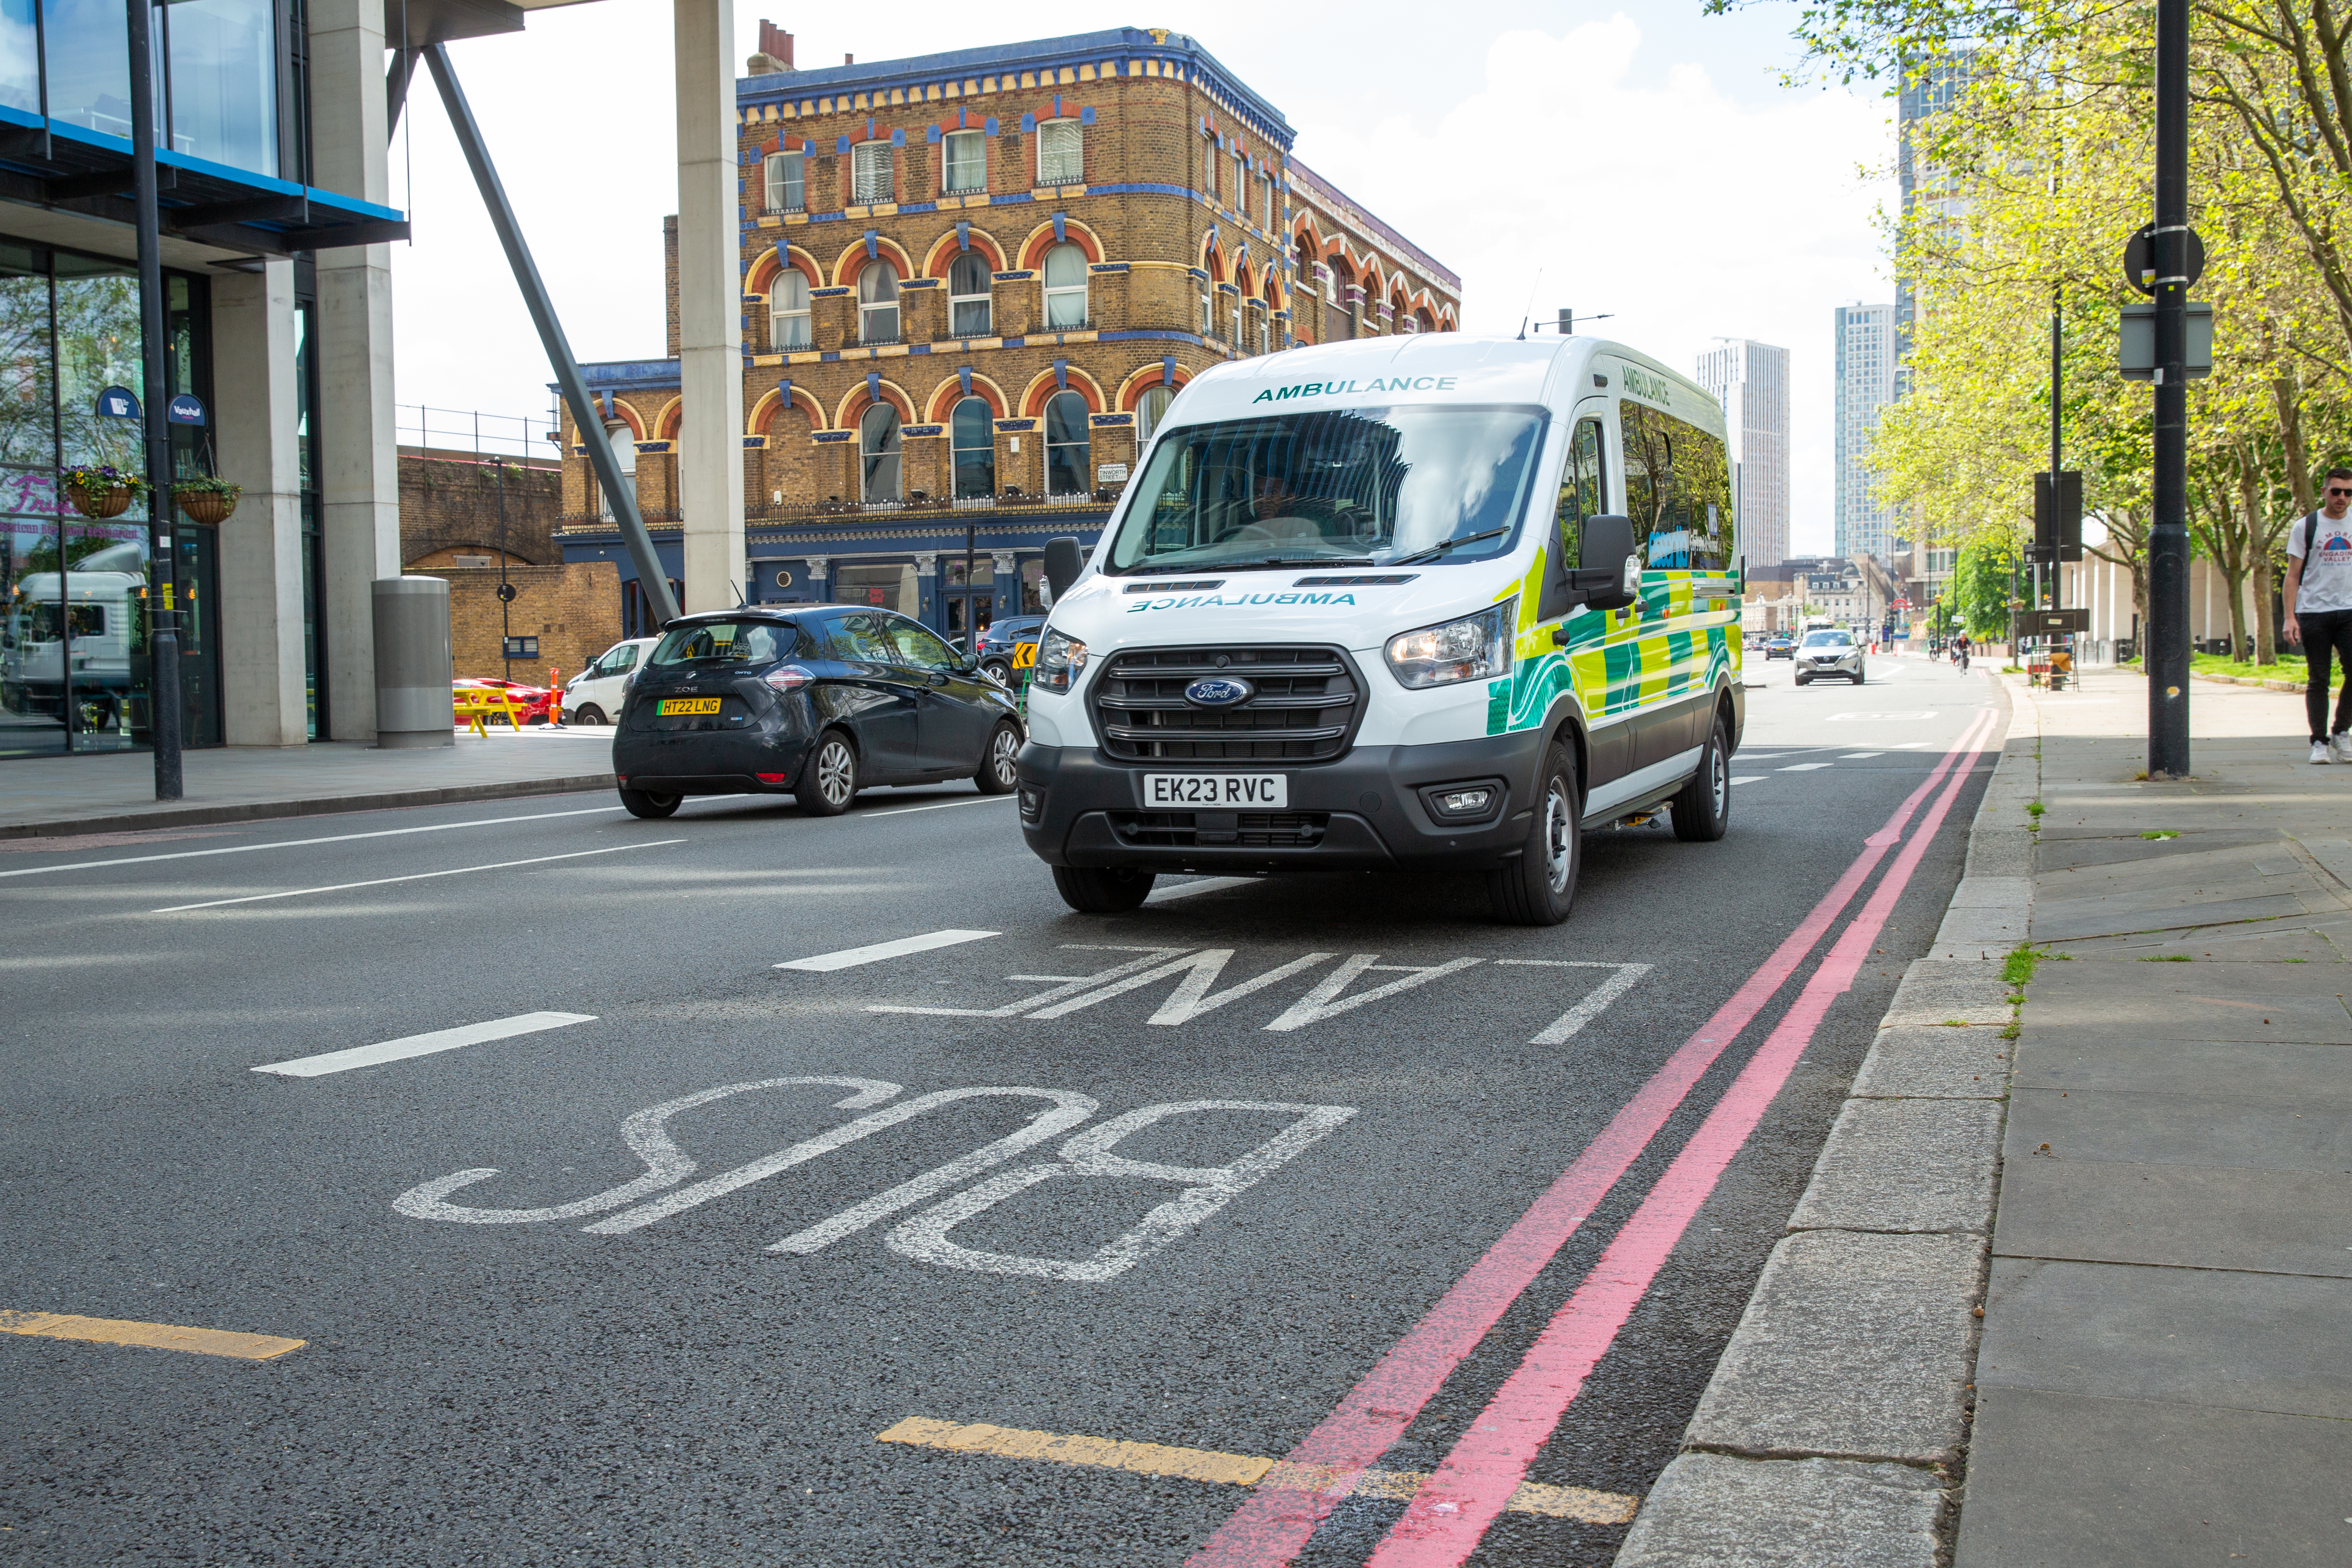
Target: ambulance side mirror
(1609, 569)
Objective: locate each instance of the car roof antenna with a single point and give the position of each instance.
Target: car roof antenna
(740, 601)
(1527, 314)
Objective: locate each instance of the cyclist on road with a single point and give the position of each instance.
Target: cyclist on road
(1960, 652)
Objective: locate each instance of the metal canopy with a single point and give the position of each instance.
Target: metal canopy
(50, 163)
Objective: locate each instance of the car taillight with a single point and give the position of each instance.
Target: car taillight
(787, 678)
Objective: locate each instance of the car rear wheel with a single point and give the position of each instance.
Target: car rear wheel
(1000, 769)
(829, 778)
(1538, 888)
(997, 670)
(591, 714)
(1703, 810)
(646, 803)
(1099, 890)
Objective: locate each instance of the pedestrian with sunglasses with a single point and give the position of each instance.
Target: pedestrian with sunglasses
(2319, 612)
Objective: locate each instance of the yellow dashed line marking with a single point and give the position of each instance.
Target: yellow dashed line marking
(156, 1336)
(1581, 1503)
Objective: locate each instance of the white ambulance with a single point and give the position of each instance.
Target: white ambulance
(1419, 603)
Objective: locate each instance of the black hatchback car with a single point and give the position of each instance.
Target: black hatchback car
(820, 702)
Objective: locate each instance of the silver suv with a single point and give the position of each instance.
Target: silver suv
(1828, 650)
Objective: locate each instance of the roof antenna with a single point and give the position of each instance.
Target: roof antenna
(1527, 314)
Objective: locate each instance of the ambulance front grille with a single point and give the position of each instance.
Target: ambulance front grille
(1303, 705)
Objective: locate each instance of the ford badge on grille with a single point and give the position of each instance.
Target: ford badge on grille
(1217, 691)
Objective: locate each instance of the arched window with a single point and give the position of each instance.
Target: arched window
(971, 436)
(623, 442)
(1068, 467)
(877, 448)
(787, 187)
(877, 303)
(968, 285)
(1066, 286)
(788, 310)
(1149, 410)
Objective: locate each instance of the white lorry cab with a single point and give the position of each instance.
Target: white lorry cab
(1422, 603)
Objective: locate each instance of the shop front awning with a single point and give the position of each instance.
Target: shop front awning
(50, 164)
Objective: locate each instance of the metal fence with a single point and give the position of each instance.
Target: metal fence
(470, 430)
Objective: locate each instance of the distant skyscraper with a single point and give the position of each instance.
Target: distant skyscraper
(1751, 381)
(1930, 191)
(1865, 384)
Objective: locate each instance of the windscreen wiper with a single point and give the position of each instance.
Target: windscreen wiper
(1442, 545)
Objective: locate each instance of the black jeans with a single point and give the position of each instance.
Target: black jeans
(2327, 632)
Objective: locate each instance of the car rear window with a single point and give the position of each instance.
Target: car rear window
(724, 642)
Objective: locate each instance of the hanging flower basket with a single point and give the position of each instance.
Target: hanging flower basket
(102, 489)
(207, 500)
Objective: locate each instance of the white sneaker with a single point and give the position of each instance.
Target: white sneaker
(2319, 752)
(2340, 745)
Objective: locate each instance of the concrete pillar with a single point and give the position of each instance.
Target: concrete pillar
(358, 478)
(709, 306)
(253, 434)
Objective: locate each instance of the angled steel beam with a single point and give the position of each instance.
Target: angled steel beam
(653, 581)
(396, 78)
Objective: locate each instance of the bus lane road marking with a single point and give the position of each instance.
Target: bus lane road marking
(1196, 974)
(424, 1044)
(924, 1237)
(1583, 1504)
(416, 877)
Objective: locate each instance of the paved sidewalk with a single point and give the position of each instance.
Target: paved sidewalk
(115, 793)
(2166, 1370)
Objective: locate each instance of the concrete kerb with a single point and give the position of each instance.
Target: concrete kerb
(1835, 1427)
(262, 810)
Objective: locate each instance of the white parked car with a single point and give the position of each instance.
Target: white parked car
(594, 696)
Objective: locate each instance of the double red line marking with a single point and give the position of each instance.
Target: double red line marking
(1450, 1514)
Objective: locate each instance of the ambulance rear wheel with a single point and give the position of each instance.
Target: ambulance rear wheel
(1703, 810)
(1538, 888)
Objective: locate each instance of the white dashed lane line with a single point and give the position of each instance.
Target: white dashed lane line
(1858, 756)
(424, 1044)
(1747, 778)
(851, 957)
(1805, 767)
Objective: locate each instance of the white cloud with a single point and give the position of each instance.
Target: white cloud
(1654, 171)
(1572, 178)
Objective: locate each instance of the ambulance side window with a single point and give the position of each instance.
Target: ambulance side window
(1581, 493)
(1706, 473)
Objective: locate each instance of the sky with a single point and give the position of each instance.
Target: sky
(1643, 161)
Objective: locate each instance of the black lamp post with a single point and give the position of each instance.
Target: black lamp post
(2167, 651)
(162, 619)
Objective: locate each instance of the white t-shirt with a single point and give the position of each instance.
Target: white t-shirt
(2327, 570)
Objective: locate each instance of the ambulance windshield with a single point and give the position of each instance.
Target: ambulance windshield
(1365, 487)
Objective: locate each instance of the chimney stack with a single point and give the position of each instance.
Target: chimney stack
(775, 50)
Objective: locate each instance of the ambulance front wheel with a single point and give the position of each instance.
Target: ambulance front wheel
(1100, 890)
(1703, 810)
(1538, 888)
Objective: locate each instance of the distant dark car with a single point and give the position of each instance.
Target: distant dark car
(998, 641)
(817, 702)
(1781, 647)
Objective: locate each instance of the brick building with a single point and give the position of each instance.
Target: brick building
(972, 283)
(460, 512)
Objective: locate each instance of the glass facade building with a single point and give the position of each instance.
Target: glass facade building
(271, 612)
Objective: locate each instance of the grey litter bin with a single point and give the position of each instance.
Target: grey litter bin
(412, 665)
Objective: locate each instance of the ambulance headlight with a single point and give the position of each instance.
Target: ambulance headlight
(1475, 647)
(1060, 661)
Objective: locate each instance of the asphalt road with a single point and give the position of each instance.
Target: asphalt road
(545, 1311)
